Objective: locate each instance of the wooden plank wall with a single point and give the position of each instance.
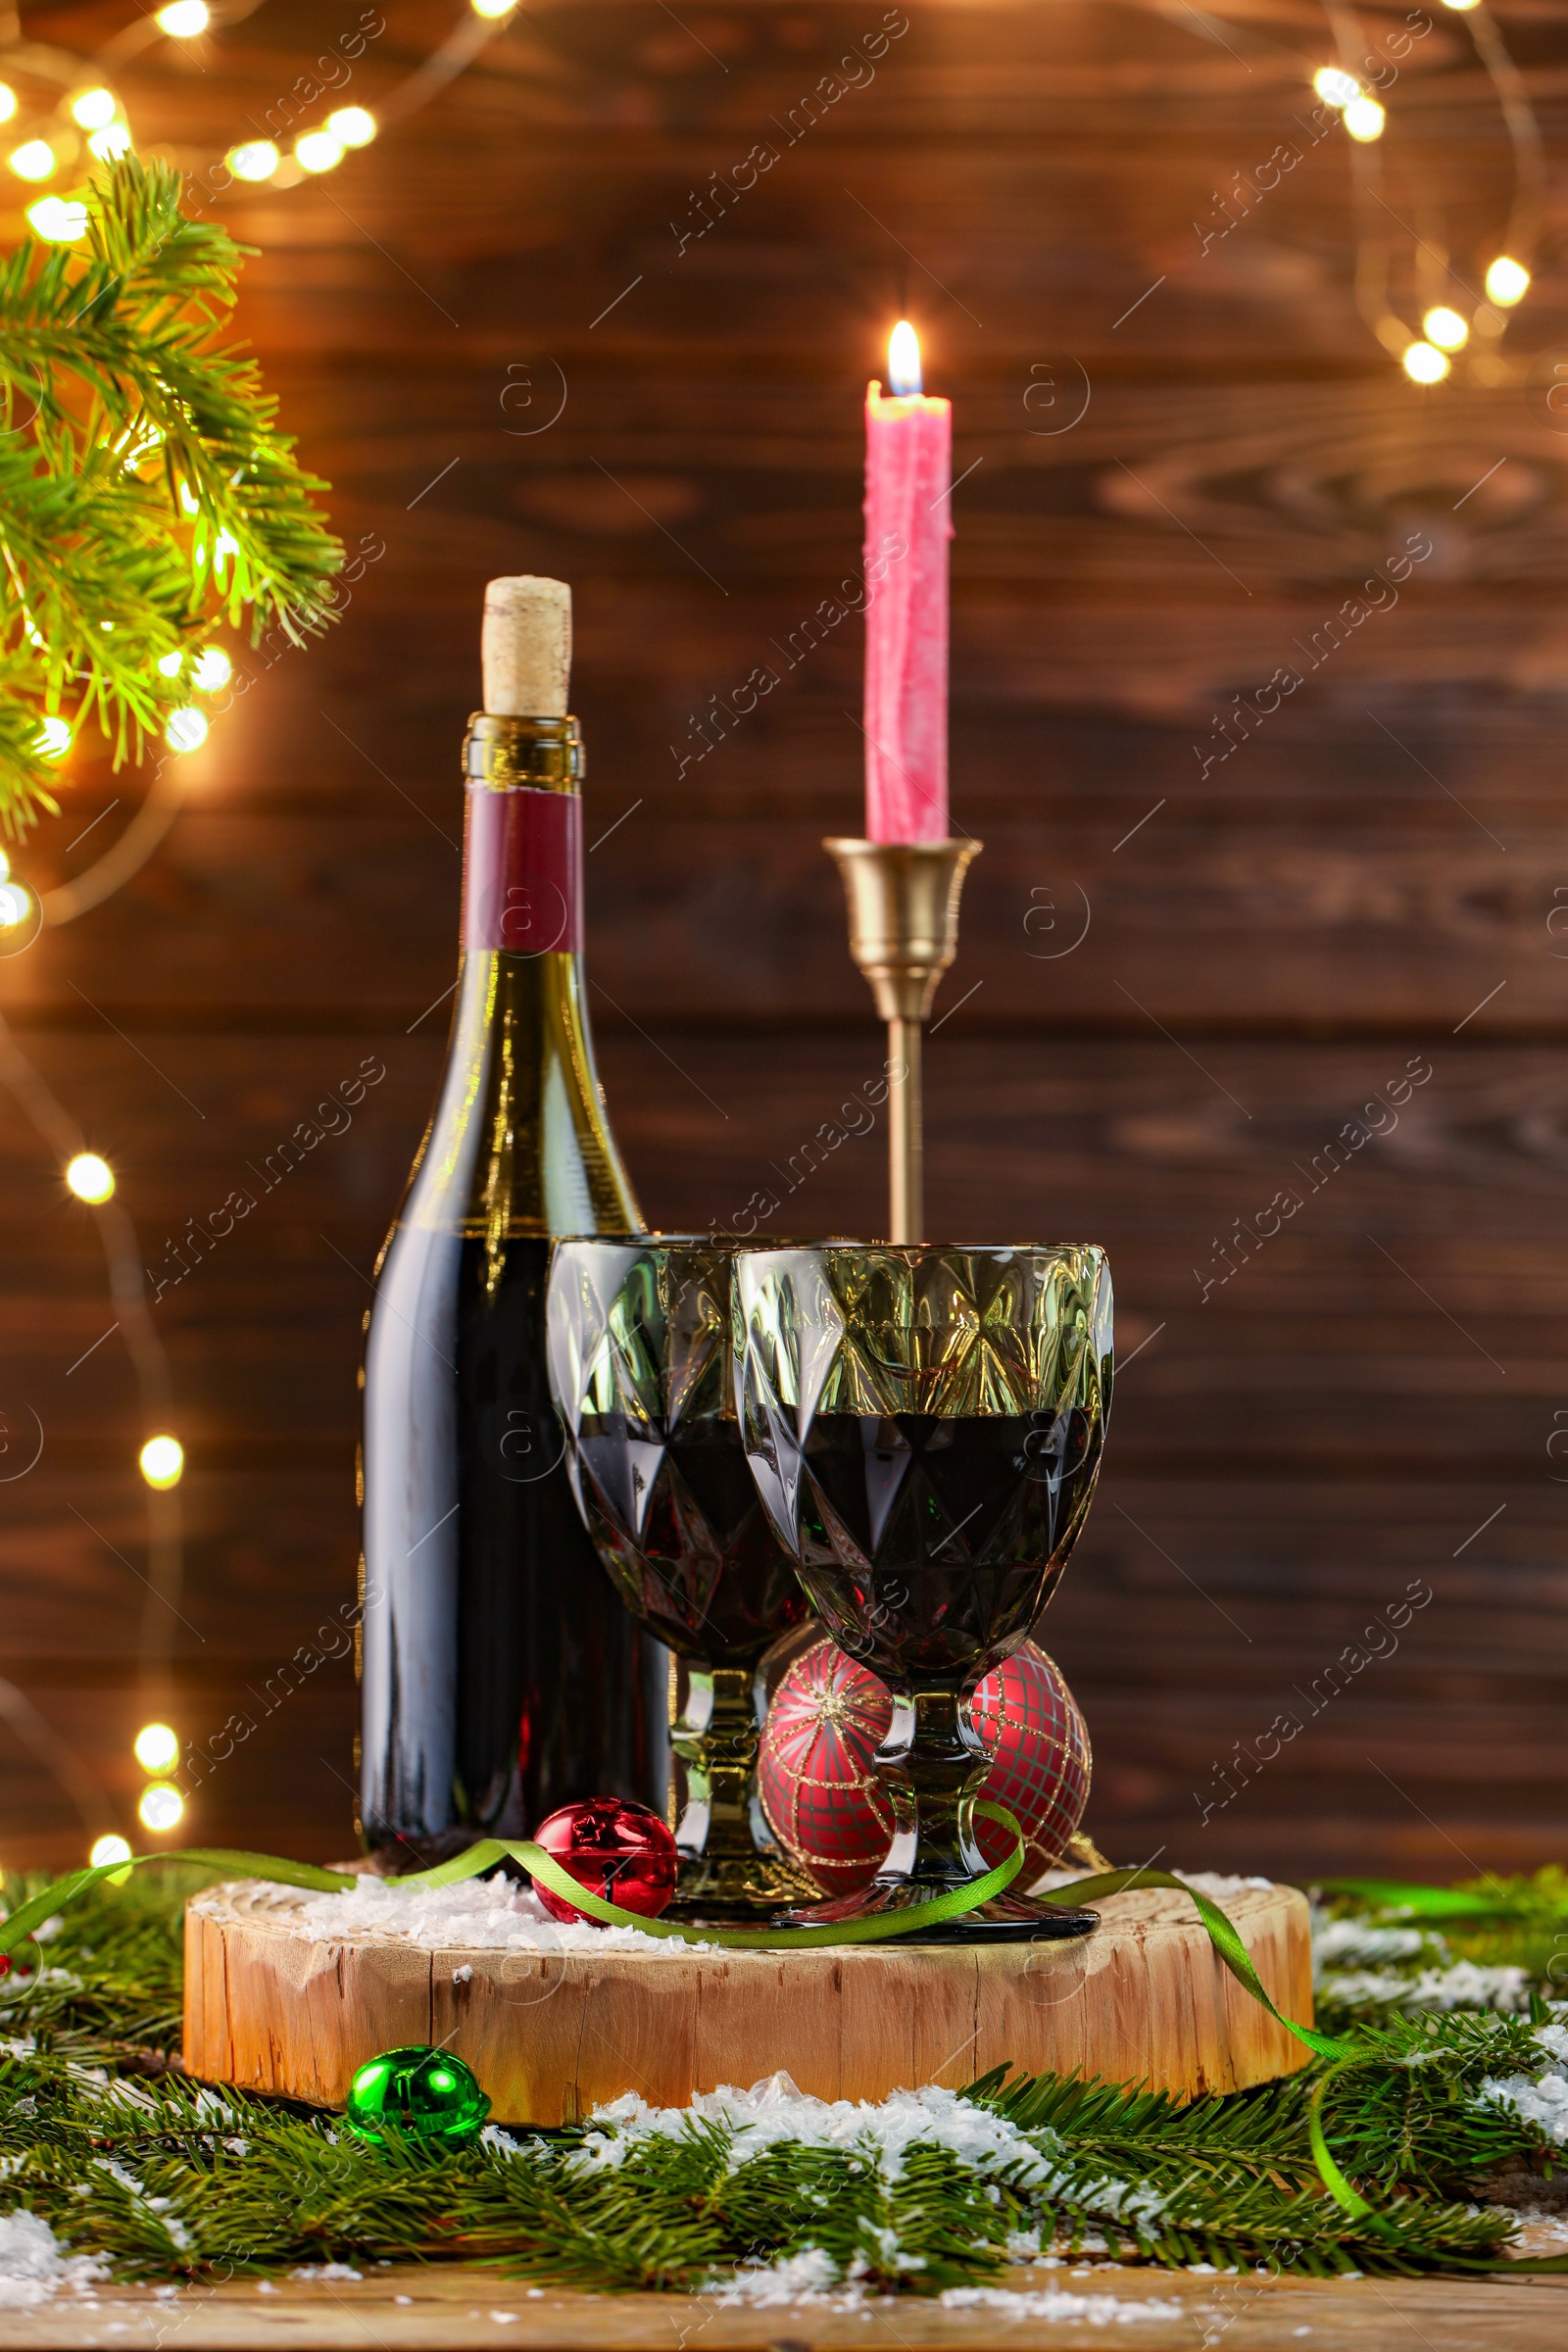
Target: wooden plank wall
(1362, 889)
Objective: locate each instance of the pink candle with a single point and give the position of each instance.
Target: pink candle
(908, 521)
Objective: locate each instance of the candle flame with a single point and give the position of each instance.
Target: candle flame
(904, 358)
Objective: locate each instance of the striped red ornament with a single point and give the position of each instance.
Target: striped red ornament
(1029, 1719)
(824, 1802)
(829, 1715)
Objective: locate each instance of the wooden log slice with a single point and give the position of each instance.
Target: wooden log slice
(273, 2007)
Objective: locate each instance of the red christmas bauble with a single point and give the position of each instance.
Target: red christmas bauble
(1039, 1741)
(826, 1807)
(824, 1802)
(620, 1851)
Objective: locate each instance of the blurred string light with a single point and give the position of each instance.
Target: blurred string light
(88, 1178)
(186, 730)
(58, 221)
(155, 1748)
(352, 125)
(161, 1806)
(91, 1177)
(1335, 86)
(94, 110)
(34, 159)
(1444, 329)
(161, 1461)
(254, 159)
(89, 112)
(1425, 363)
(317, 150)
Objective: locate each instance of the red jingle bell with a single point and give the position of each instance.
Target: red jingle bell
(620, 1851)
(826, 1807)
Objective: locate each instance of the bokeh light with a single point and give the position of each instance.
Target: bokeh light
(91, 1177)
(1424, 363)
(161, 1461)
(93, 108)
(34, 159)
(161, 1806)
(1364, 119)
(157, 1747)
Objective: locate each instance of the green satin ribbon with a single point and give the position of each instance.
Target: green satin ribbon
(547, 1872)
(1448, 1902)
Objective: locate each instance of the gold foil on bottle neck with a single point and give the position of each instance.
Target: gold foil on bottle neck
(505, 755)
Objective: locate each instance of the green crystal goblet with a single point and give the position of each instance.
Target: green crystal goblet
(924, 1424)
(638, 1346)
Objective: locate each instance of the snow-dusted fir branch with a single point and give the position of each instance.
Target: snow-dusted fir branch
(110, 2158)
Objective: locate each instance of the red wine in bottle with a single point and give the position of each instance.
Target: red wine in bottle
(500, 1676)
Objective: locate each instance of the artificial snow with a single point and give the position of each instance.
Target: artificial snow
(1216, 1886)
(801, 2278)
(32, 2267)
(1540, 2099)
(1338, 1941)
(1059, 2303)
(496, 1914)
(1462, 1985)
(812, 2277)
(776, 2110)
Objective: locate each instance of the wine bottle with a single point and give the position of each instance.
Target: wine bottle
(500, 1675)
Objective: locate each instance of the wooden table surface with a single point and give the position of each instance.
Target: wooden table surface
(444, 2310)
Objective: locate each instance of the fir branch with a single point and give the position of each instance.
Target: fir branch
(145, 489)
(173, 2181)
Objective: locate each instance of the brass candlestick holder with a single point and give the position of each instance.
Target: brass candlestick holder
(903, 900)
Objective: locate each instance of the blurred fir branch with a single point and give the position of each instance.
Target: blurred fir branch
(145, 490)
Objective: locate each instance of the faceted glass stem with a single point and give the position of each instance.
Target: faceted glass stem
(729, 1860)
(932, 1766)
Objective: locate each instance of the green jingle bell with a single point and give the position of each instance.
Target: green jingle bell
(427, 2095)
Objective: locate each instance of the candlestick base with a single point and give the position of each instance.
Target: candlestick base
(903, 900)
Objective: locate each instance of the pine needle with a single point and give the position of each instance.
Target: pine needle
(104, 2138)
(145, 489)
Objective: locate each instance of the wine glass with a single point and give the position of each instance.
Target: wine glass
(639, 1354)
(924, 1424)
